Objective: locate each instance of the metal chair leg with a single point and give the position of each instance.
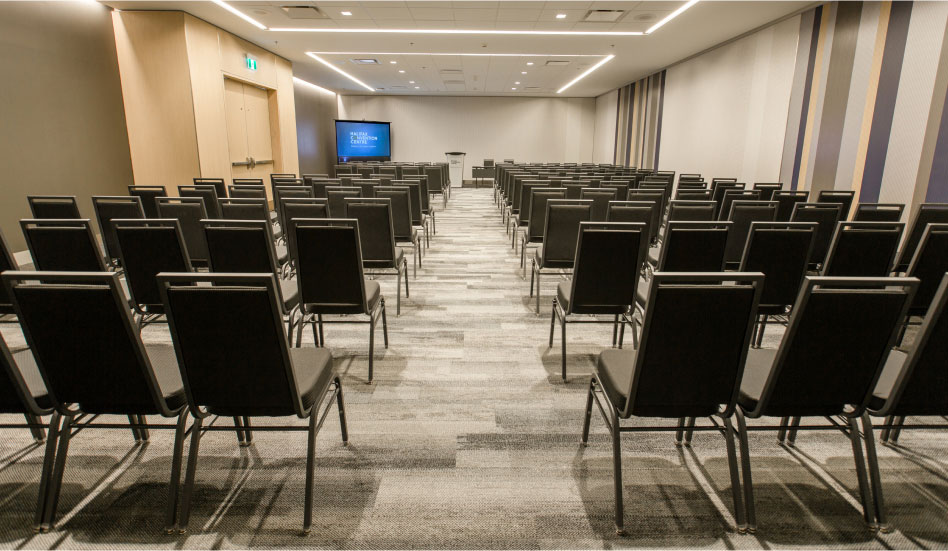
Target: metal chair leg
(135, 433)
(747, 480)
(735, 477)
(538, 292)
(36, 429)
(782, 432)
(143, 428)
(405, 269)
(680, 433)
(398, 292)
(310, 468)
(563, 346)
(189, 476)
(689, 430)
(617, 473)
(897, 430)
(792, 432)
(371, 348)
(175, 483)
(589, 406)
(341, 406)
(248, 434)
(884, 433)
(384, 323)
(42, 498)
(861, 476)
(874, 476)
(56, 480)
(322, 332)
(615, 330)
(552, 322)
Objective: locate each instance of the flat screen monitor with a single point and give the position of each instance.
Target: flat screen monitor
(363, 141)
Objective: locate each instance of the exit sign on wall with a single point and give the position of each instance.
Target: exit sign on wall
(251, 63)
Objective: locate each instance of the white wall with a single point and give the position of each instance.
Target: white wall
(725, 111)
(604, 140)
(525, 129)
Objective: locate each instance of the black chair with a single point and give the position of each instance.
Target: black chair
(91, 369)
(281, 176)
(188, 211)
(247, 181)
(878, 212)
(53, 207)
(643, 212)
(927, 213)
(521, 217)
(843, 198)
(252, 208)
(863, 249)
(658, 197)
(741, 215)
(824, 214)
(560, 233)
(767, 190)
(108, 207)
(380, 256)
(605, 276)
(405, 232)
(786, 200)
(319, 186)
(63, 245)
(719, 188)
(437, 182)
(147, 195)
(928, 265)
(600, 200)
(368, 186)
(827, 365)
(332, 280)
(730, 195)
(688, 247)
(266, 378)
(245, 191)
(300, 207)
(7, 262)
(680, 210)
(663, 379)
(693, 194)
(533, 233)
(418, 217)
(206, 192)
(337, 196)
(780, 251)
(244, 247)
(149, 247)
(219, 185)
(288, 192)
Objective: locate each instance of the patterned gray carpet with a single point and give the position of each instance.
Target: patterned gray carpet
(468, 439)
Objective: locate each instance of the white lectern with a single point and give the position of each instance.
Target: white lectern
(456, 167)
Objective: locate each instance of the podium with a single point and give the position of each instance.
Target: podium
(455, 167)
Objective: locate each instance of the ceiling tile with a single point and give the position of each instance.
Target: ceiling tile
(481, 14)
(517, 14)
(432, 14)
(389, 13)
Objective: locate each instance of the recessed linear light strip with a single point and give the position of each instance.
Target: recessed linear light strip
(313, 86)
(455, 31)
(340, 71)
(671, 16)
(582, 76)
(240, 14)
(453, 54)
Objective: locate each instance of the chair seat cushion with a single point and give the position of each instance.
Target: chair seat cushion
(564, 295)
(641, 290)
(563, 292)
(399, 257)
(756, 369)
(615, 369)
(890, 372)
(31, 376)
(312, 368)
(554, 264)
(373, 293)
(165, 365)
(290, 291)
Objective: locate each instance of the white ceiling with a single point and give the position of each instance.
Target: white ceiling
(704, 25)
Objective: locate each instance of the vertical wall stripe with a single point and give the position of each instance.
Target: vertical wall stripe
(807, 89)
(932, 182)
(658, 125)
(896, 35)
(937, 191)
(836, 98)
(794, 107)
(811, 128)
(615, 140)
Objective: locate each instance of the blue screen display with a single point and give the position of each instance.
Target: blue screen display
(363, 139)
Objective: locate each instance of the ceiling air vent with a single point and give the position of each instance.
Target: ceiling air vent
(532, 89)
(303, 12)
(645, 17)
(451, 72)
(557, 63)
(365, 61)
(455, 85)
(603, 16)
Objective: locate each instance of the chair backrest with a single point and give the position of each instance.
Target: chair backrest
(7, 262)
(240, 247)
(718, 188)
(219, 185)
(390, 170)
(633, 211)
(410, 171)
(53, 207)
(742, 214)
(656, 195)
(767, 190)
(600, 198)
(928, 265)
(863, 249)
(878, 212)
(537, 210)
(147, 195)
(780, 251)
(401, 209)
(101, 366)
(843, 198)
(436, 178)
(716, 312)
(319, 186)
(835, 345)
(259, 378)
(927, 213)
(786, 200)
(280, 193)
(206, 192)
(106, 208)
(368, 186)
(922, 384)
(606, 269)
(375, 230)
(189, 211)
(561, 229)
(731, 195)
(329, 266)
(414, 197)
(337, 196)
(680, 210)
(824, 214)
(574, 190)
(622, 188)
(63, 245)
(150, 247)
(342, 169)
(247, 181)
(301, 207)
(245, 209)
(277, 176)
(694, 247)
(245, 191)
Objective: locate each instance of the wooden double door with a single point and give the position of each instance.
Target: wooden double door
(249, 139)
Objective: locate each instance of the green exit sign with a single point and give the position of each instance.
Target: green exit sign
(251, 63)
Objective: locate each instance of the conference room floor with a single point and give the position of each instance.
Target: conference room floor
(469, 439)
